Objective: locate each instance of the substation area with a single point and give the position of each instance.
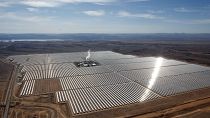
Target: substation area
(107, 80)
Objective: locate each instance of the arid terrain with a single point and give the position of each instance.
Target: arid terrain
(5, 77)
(194, 104)
(196, 51)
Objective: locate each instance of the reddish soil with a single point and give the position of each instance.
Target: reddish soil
(5, 73)
(44, 86)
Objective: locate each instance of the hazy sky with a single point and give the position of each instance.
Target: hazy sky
(105, 16)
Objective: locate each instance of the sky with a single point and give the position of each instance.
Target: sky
(104, 16)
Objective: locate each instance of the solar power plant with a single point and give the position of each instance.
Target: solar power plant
(119, 79)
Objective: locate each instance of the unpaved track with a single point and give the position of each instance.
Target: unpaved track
(10, 90)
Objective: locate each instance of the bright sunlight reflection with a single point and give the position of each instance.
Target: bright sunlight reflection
(154, 76)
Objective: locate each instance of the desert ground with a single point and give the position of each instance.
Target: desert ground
(197, 51)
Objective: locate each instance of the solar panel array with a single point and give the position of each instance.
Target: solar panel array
(92, 80)
(104, 97)
(143, 76)
(28, 87)
(133, 66)
(119, 80)
(171, 85)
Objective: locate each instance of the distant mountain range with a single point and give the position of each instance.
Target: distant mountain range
(89, 36)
